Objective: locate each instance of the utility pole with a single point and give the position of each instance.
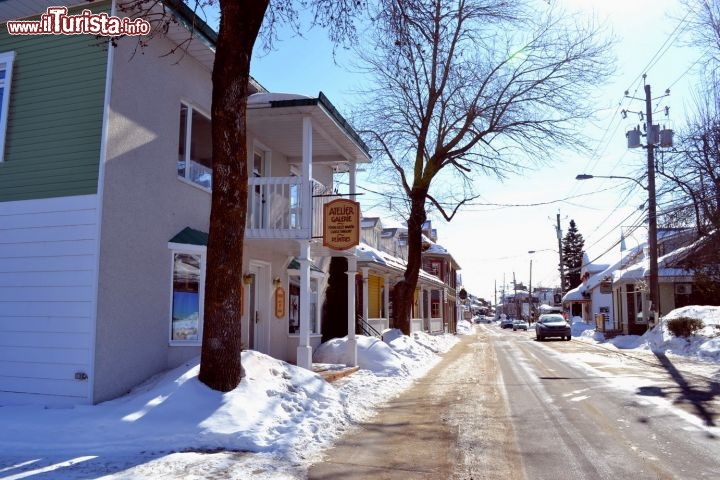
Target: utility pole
(495, 291)
(664, 139)
(515, 297)
(652, 209)
(562, 267)
(530, 298)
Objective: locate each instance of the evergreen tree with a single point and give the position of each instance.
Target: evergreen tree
(572, 250)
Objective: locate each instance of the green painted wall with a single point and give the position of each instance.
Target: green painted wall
(52, 145)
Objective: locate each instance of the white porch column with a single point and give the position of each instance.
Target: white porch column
(428, 306)
(366, 296)
(351, 354)
(304, 349)
(386, 297)
(307, 200)
(351, 179)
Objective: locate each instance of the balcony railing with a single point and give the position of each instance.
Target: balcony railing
(321, 196)
(275, 208)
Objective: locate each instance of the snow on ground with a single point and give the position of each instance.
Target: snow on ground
(277, 421)
(173, 426)
(705, 345)
(464, 327)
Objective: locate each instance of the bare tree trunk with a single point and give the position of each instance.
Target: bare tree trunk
(220, 363)
(405, 289)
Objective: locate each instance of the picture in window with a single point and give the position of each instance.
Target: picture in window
(186, 297)
(294, 307)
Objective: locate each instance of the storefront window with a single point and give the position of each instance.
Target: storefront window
(186, 301)
(294, 307)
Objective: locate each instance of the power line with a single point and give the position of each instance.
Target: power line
(485, 204)
(663, 48)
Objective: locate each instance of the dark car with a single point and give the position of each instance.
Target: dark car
(552, 325)
(506, 323)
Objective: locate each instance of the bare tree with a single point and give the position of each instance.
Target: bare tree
(703, 20)
(463, 88)
(240, 27)
(692, 170)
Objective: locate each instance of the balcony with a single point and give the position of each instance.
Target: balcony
(275, 208)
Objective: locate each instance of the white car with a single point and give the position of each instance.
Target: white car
(520, 325)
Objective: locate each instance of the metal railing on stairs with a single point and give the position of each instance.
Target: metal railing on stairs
(364, 328)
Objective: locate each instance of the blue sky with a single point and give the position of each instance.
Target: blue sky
(492, 243)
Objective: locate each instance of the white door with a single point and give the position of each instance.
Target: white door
(259, 307)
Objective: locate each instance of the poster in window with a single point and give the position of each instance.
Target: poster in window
(186, 297)
(294, 307)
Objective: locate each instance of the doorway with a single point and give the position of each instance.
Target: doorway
(259, 307)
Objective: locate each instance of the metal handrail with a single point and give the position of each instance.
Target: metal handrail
(366, 328)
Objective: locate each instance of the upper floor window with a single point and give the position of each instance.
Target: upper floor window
(195, 147)
(435, 267)
(6, 63)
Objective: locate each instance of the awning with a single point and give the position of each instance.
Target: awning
(190, 236)
(294, 267)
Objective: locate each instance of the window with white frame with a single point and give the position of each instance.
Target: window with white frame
(195, 147)
(6, 64)
(294, 306)
(188, 277)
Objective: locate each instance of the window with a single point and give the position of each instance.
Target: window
(187, 297)
(258, 163)
(6, 63)
(294, 306)
(195, 147)
(294, 312)
(435, 309)
(435, 268)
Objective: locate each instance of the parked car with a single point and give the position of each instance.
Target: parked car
(506, 323)
(520, 325)
(552, 325)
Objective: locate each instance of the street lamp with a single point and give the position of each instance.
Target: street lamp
(585, 176)
(652, 230)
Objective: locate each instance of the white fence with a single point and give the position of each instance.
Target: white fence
(275, 207)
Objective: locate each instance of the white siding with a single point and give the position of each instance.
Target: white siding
(47, 287)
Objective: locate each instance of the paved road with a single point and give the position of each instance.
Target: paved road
(503, 406)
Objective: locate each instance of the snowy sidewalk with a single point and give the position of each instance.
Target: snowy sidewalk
(416, 434)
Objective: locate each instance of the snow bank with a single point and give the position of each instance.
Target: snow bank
(585, 330)
(464, 328)
(704, 345)
(710, 315)
(373, 354)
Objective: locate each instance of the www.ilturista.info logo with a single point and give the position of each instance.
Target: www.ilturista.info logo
(57, 21)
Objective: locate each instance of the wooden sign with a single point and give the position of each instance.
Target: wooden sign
(279, 302)
(341, 224)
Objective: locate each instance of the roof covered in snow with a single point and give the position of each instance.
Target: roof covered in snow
(367, 254)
